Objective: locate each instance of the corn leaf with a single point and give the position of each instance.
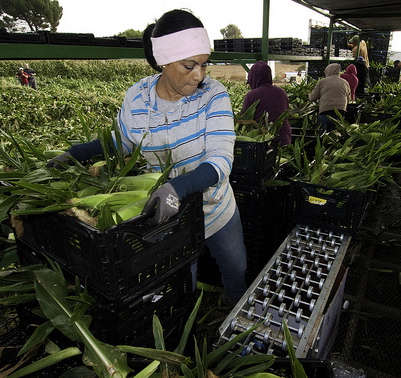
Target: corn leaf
(46, 362)
(187, 371)
(6, 205)
(188, 326)
(159, 341)
(296, 367)
(216, 354)
(155, 354)
(38, 336)
(51, 291)
(105, 218)
(226, 361)
(148, 371)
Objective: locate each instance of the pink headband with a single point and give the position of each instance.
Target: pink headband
(180, 45)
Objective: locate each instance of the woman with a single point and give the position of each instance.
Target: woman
(359, 48)
(22, 76)
(353, 81)
(273, 100)
(362, 73)
(182, 112)
(332, 92)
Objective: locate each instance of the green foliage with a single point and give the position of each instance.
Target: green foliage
(131, 33)
(107, 71)
(64, 306)
(231, 31)
(33, 188)
(37, 14)
(70, 95)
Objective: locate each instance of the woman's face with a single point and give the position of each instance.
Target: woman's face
(182, 78)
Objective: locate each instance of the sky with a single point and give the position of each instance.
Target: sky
(106, 19)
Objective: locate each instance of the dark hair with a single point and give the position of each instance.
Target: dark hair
(396, 63)
(170, 22)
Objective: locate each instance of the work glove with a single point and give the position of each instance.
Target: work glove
(166, 201)
(54, 163)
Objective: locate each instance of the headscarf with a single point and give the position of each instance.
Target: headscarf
(180, 45)
(260, 74)
(332, 69)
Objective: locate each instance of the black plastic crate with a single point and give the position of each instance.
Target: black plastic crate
(119, 261)
(253, 162)
(21, 38)
(264, 222)
(353, 111)
(261, 241)
(261, 204)
(373, 117)
(172, 300)
(71, 38)
(335, 209)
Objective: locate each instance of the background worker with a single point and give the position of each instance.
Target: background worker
(362, 73)
(273, 100)
(22, 76)
(359, 48)
(331, 92)
(31, 76)
(353, 81)
(182, 112)
(393, 73)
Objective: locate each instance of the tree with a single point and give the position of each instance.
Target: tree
(36, 14)
(231, 31)
(131, 33)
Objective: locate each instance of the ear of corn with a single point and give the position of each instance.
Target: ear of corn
(129, 211)
(140, 182)
(244, 138)
(88, 191)
(113, 200)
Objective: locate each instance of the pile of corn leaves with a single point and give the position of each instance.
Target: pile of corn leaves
(101, 193)
(358, 156)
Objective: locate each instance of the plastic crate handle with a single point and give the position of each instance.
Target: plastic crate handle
(165, 229)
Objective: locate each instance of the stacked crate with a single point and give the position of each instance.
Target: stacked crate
(263, 209)
(379, 42)
(318, 37)
(281, 46)
(132, 270)
(77, 39)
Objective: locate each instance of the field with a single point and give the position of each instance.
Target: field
(77, 99)
(238, 73)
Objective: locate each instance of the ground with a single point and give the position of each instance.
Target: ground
(237, 72)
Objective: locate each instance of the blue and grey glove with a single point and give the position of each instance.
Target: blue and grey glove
(166, 201)
(54, 163)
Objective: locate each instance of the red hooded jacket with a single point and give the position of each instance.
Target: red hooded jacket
(350, 76)
(273, 100)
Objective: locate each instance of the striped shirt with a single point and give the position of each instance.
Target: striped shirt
(197, 129)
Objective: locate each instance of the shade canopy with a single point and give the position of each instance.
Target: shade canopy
(382, 15)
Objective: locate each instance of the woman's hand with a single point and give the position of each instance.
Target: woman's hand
(166, 201)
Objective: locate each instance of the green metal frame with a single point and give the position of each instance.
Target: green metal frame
(17, 51)
(22, 51)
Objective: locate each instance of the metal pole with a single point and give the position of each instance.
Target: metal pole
(265, 30)
(329, 40)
